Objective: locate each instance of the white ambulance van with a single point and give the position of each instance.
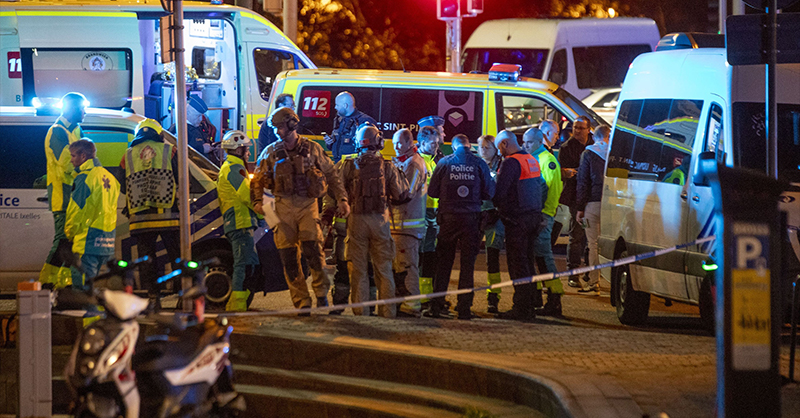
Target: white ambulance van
(111, 52)
(675, 105)
(580, 55)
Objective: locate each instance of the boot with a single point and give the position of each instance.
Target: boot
(238, 301)
(552, 307)
(322, 302)
(494, 301)
(518, 314)
(537, 301)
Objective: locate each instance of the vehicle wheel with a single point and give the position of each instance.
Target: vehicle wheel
(218, 280)
(708, 304)
(632, 306)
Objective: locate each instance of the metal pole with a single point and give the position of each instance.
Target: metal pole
(290, 19)
(723, 14)
(35, 354)
(453, 46)
(772, 103)
(793, 345)
(183, 145)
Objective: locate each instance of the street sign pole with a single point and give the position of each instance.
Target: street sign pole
(454, 45)
(772, 103)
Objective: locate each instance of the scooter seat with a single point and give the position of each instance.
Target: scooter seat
(178, 350)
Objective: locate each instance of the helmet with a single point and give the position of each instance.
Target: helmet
(284, 115)
(369, 137)
(235, 139)
(147, 129)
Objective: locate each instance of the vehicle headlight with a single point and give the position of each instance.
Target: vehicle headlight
(93, 341)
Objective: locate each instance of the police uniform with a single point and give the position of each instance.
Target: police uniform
(461, 181)
(92, 219)
(495, 235)
(371, 182)
(297, 178)
(408, 228)
(60, 174)
(151, 170)
(344, 133)
(239, 220)
(551, 173)
(519, 198)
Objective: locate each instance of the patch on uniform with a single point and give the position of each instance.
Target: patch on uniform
(463, 191)
(552, 165)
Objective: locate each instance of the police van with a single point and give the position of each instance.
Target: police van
(26, 223)
(581, 55)
(111, 52)
(676, 106)
(471, 104)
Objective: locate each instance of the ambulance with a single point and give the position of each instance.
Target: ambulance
(676, 106)
(111, 52)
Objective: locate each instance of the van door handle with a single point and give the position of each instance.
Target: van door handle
(695, 198)
(42, 199)
(684, 195)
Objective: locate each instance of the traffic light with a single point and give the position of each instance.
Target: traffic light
(447, 9)
(474, 7)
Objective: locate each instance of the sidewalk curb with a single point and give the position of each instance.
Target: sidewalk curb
(556, 390)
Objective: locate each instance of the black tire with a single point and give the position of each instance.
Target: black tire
(632, 305)
(218, 280)
(708, 307)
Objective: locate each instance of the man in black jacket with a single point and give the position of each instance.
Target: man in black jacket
(348, 119)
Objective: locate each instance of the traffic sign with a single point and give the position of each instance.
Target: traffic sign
(746, 41)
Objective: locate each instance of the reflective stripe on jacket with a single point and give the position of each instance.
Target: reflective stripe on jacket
(60, 172)
(551, 173)
(92, 211)
(430, 165)
(233, 191)
(409, 218)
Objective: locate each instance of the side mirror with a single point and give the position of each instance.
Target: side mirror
(705, 162)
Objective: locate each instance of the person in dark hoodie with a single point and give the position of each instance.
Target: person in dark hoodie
(588, 197)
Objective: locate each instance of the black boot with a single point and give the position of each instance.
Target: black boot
(537, 297)
(494, 302)
(517, 314)
(552, 307)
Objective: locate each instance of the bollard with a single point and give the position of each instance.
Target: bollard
(748, 250)
(35, 354)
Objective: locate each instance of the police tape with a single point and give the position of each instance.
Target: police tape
(525, 280)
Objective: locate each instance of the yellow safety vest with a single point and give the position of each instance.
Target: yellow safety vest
(92, 211)
(150, 186)
(233, 191)
(60, 171)
(430, 164)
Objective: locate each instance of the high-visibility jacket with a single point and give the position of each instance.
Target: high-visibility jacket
(409, 218)
(150, 185)
(60, 172)
(233, 191)
(92, 211)
(430, 165)
(551, 173)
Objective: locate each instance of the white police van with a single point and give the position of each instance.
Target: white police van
(26, 224)
(675, 105)
(111, 52)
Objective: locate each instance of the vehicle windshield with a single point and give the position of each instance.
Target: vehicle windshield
(749, 138)
(201, 162)
(481, 60)
(579, 107)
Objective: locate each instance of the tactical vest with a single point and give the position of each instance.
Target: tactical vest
(148, 176)
(298, 174)
(368, 185)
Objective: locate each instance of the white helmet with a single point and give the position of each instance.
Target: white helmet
(235, 139)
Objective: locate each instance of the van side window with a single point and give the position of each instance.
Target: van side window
(317, 111)
(558, 68)
(518, 113)
(653, 138)
(604, 66)
(104, 75)
(22, 161)
(204, 63)
(714, 133)
(403, 107)
(268, 63)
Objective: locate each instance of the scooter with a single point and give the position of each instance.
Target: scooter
(184, 372)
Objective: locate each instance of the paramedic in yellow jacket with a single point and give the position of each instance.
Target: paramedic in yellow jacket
(238, 216)
(60, 174)
(297, 171)
(91, 214)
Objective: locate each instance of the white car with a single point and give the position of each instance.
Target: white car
(604, 102)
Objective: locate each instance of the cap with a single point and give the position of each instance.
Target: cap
(198, 104)
(431, 121)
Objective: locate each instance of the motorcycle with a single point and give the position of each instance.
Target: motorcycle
(181, 371)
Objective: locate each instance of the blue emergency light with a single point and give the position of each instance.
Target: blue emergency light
(505, 72)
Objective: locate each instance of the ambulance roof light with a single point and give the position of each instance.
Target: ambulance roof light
(505, 72)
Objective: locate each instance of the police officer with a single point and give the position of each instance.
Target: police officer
(428, 145)
(408, 220)
(151, 181)
(372, 184)
(461, 181)
(491, 225)
(436, 122)
(296, 170)
(519, 198)
(60, 173)
(348, 119)
(533, 142)
(199, 132)
(92, 206)
(238, 215)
